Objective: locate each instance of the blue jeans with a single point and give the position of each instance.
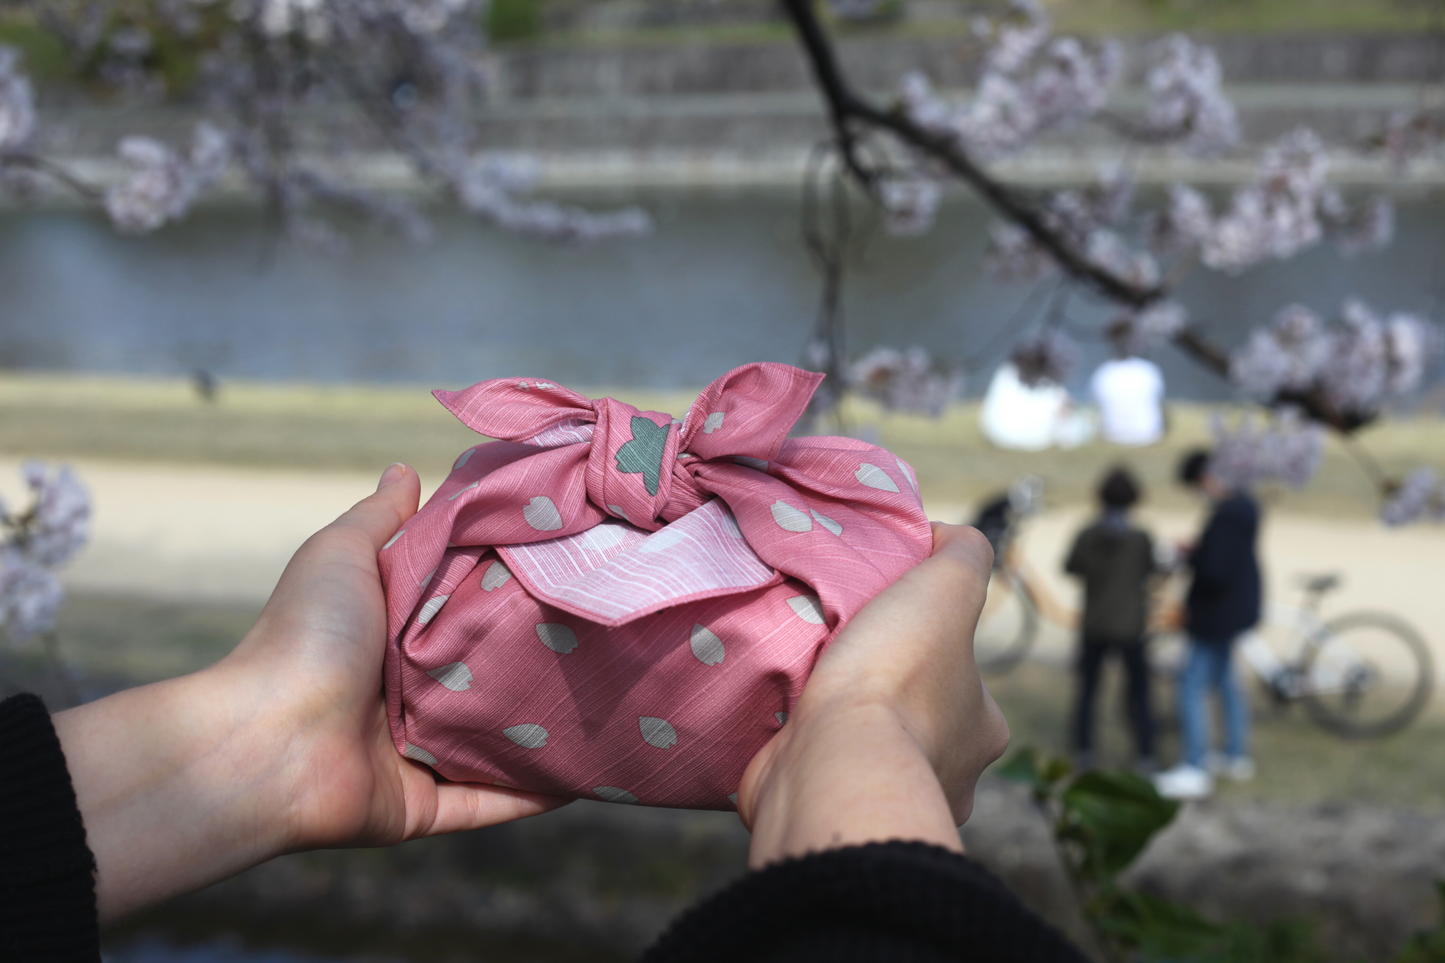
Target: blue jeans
(1210, 665)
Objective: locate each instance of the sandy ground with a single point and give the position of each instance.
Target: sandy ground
(195, 532)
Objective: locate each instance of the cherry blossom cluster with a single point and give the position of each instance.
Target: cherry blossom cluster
(17, 103)
(1287, 207)
(1031, 83)
(46, 535)
(165, 182)
(1046, 357)
(1286, 449)
(297, 91)
(1138, 332)
(909, 204)
(1187, 104)
(909, 381)
(1418, 497)
(1359, 361)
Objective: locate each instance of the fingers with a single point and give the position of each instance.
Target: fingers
(463, 806)
(378, 516)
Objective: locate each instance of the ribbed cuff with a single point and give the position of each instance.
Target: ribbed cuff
(907, 902)
(47, 873)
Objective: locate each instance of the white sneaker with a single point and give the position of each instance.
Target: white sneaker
(1184, 782)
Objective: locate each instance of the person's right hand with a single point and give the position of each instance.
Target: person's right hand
(894, 726)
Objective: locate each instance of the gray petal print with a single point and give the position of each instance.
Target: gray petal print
(657, 732)
(828, 523)
(455, 676)
(713, 422)
(782, 718)
(706, 646)
(875, 477)
(790, 519)
(614, 795)
(528, 735)
(419, 754)
(431, 608)
(807, 608)
(496, 576)
(557, 637)
(541, 513)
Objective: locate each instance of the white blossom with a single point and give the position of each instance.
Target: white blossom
(1415, 498)
(165, 183)
(17, 102)
(30, 596)
(1286, 450)
(908, 380)
(1016, 38)
(1029, 85)
(1186, 97)
(1185, 221)
(909, 205)
(495, 186)
(1012, 254)
(61, 524)
(1368, 227)
(1278, 214)
(1049, 356)
(1137, 332)
(1288, 354)
(48, 534)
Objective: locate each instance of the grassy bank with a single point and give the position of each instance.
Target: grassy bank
(350, 427)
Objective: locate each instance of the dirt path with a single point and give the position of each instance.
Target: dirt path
(219, 533)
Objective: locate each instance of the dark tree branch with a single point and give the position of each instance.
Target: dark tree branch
(52, 170)
(850, 115)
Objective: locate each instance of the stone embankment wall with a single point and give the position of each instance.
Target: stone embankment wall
(600, 882)
(701, 114)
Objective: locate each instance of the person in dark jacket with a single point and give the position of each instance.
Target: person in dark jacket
(1224, 601)
(283, 746)
(1115, 559)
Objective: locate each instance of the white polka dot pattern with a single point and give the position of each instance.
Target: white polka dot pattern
(657, 732)
(557, 637)
(528, 735)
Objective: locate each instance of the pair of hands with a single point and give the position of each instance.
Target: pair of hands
(284, 744)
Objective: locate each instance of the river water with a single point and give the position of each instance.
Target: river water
(723, 280)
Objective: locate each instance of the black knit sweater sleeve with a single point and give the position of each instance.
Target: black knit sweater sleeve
(47, 882)
(897, 902)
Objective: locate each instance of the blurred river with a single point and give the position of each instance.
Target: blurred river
(724, 280)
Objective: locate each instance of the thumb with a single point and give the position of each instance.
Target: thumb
(379, 515)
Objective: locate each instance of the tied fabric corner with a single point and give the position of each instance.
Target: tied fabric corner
(617, 604)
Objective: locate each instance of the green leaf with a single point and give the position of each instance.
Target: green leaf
(1113, 815)
(1427, 946)
(1022, 767)
(1159, 929)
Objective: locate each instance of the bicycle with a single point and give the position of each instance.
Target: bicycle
(1015, 603)
(1360, 675)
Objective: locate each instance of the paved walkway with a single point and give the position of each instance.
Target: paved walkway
(201, 532)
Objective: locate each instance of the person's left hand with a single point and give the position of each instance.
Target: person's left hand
(284, 745)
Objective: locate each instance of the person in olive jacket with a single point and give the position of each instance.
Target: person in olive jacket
(1115, 559)
(1224, 602)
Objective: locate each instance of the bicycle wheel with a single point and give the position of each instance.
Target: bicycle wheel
(1366, 674)
(1007, 626)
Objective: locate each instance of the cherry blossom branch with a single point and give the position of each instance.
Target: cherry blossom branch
(851, 116)
(24, 160)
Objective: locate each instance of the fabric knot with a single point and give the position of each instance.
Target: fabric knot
(643, 466)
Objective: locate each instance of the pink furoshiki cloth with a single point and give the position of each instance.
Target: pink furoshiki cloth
(611, 603)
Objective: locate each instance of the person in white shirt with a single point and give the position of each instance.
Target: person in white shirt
(1023, 418)
(1130, 394)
